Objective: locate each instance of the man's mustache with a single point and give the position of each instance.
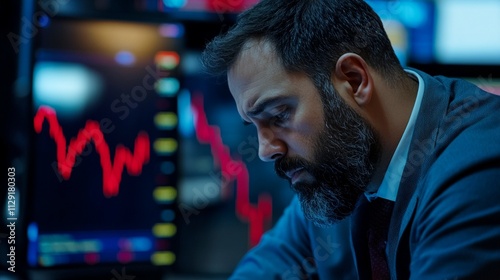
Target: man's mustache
(286, 164)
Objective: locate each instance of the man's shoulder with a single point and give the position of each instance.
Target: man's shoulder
(461, 159)
(466, 133)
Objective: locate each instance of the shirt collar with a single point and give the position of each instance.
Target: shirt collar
(390, 184)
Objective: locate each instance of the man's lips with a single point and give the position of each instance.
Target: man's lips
(294, 174)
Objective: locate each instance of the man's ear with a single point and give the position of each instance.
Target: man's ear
(352, 78)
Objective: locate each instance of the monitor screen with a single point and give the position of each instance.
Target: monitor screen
(105, 149)
(467, 32)
(410, 27)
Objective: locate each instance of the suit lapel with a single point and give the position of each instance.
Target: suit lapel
(432, 110)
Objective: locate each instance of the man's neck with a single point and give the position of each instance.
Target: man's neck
(395, 107)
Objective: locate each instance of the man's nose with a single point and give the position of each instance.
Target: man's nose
(270, 147)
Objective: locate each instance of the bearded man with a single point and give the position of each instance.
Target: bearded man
(396, 172)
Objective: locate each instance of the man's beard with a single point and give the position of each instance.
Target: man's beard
(345, 154)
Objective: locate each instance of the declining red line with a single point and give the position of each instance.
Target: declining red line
(112, 171)
(256, 216)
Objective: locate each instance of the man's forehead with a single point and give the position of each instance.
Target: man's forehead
(255, 52)
(254, 72)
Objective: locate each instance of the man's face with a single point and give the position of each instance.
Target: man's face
(326, 152)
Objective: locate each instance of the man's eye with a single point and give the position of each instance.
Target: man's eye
(281, 118)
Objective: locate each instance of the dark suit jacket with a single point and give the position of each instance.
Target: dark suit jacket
(446, 221)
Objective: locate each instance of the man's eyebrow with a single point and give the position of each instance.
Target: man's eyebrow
(262, 104)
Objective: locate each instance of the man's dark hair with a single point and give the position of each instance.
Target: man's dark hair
(309, 36)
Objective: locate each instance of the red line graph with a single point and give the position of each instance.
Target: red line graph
(112, 170)
(233, 170)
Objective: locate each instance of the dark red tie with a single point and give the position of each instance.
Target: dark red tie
(380, 211)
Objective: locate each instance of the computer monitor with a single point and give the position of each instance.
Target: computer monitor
(466, 32)
(105, 144)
